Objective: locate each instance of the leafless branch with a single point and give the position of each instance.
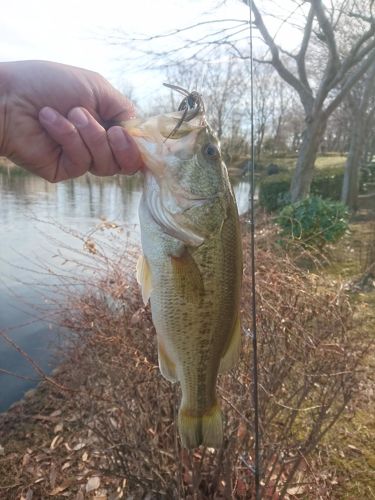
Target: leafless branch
(287, 75)
(301, 56)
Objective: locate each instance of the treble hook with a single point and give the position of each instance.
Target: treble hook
(191, 105)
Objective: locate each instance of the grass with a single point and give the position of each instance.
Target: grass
(348, 453)
(322, 161)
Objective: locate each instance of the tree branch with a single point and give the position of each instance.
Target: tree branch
(355, 55)
(350, 83)
(301, 56)
(326, 27)
(304, 93)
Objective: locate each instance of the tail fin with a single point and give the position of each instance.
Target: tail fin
(206, 429)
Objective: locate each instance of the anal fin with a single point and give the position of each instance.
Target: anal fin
(166, 365)
(232, 352)
(144, 278)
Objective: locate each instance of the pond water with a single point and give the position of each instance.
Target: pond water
(31, 211)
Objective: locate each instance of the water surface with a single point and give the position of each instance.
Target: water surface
(31, 211)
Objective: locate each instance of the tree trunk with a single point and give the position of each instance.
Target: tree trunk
(311, 139)
(350, 186)
(360, 130)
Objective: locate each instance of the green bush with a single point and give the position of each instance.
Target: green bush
(314, 221)
(274, 190)
(327, 183)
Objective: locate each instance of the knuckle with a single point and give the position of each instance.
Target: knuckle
(96, 139)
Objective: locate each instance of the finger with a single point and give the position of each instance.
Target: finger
(124, 150)
(96, 140)
(75, 158)
(112, 105)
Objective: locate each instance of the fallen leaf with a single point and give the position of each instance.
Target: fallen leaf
(354, 448)
(56, 441)
(58, 428)
(79, 446)
(53, 476)
(93, 483)
(100, 496)
(58, 490)
(55, 413)
(25, 459)
(296, 490)
(242, 430)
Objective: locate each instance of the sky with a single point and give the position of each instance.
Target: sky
(81, 33)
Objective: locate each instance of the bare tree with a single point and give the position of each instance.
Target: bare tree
(362, 114)
(320, 94)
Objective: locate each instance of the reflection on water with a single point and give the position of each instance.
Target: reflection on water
(77, 204)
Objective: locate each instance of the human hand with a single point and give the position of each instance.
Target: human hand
(55, 121)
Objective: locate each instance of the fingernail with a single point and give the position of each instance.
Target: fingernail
(78, 118)
(118, 139)
(48, 115)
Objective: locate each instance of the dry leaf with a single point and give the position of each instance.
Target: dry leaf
(100, 496)
(242, 430)
(56, 441)
(53, 476)
(66, 465)
(296, 490)
(55, 413)
(2, 450)
(93, 483)
(58, 490)
(58, 428)
(85, 456)
(79, 446)
(354, 448)
(25, 459)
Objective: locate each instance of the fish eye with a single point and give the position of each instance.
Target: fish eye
(211, 151)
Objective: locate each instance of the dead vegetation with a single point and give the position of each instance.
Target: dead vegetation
(111, 434)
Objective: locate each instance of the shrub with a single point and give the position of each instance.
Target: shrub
(327, 183)
(274, 190)
(314, 221)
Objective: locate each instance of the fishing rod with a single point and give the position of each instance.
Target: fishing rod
(253, 264)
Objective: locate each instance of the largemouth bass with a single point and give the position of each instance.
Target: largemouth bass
(191, 268)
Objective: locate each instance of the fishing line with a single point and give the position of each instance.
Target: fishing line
(253, 263)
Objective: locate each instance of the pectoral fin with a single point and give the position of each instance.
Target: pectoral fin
(187, 277)
(144, 278)
(232, 352)
(166, 365)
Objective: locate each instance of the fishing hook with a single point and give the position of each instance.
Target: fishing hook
(191, 105)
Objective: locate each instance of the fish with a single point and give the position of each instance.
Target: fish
(191, 264)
